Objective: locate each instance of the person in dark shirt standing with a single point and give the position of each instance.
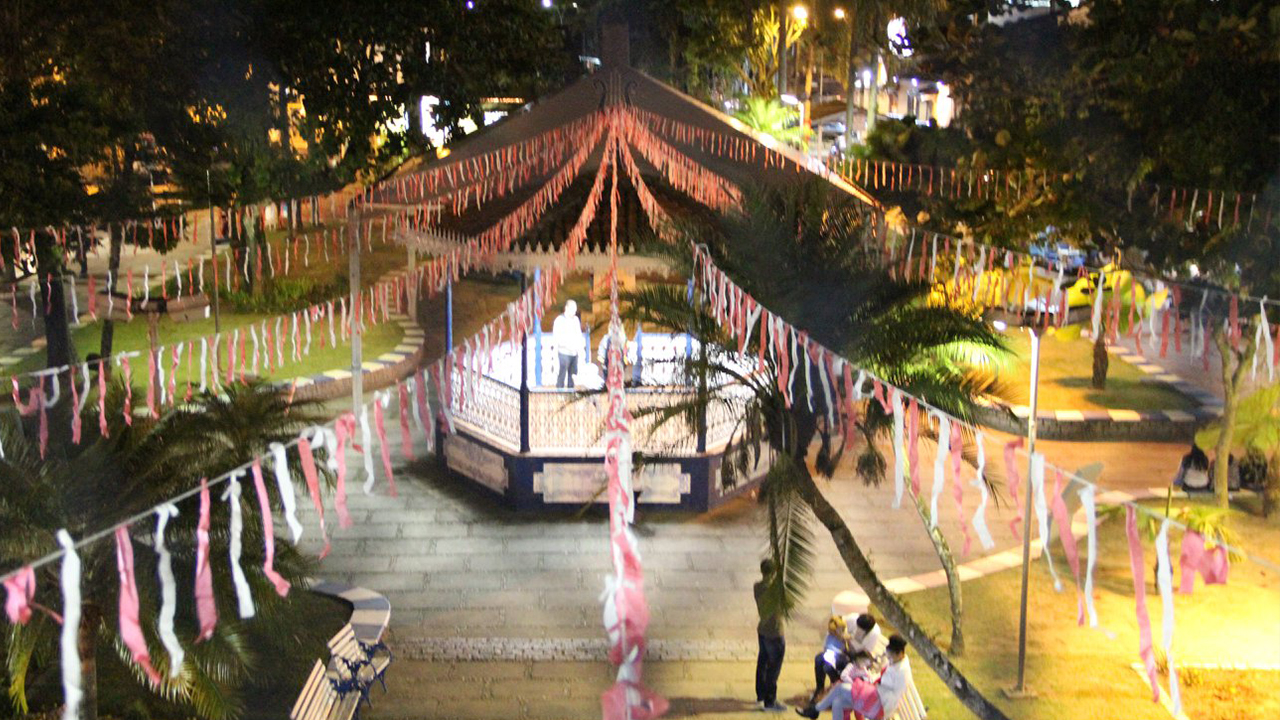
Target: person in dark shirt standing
(772, 644)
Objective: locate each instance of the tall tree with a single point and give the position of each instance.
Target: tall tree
(819, 276)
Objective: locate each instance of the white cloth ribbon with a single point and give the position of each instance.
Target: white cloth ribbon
(1091, 517)
(366, 452)
(939, 465)
(168, 591)
(1263, 344)
(1042, 514)
(244, 597)
(899, 449)
(204, 363)
(1164, 579)
(980, 483)
(69, 640)
(285, 484)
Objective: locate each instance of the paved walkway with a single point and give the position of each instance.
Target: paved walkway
(497, 614)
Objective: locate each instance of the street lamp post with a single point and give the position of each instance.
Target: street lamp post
(851, 80)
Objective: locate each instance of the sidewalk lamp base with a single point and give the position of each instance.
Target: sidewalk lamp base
(1013, 693)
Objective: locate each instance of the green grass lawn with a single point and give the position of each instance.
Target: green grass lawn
(1082, 672)
(129, 336)
(1066, 370)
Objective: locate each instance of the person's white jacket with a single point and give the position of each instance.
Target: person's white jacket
(566, 333)
(893, 684)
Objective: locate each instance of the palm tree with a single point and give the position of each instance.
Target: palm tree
(771, 117)
(1255, 426)
(802, 254)
(103, 480)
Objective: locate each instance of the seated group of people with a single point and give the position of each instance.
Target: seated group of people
(849, 660)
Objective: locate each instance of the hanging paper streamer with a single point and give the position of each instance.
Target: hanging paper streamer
(1091, 518)
(20, 590)
(284, 484)
(366, 450)
(1012, 483)
(268, 533)
(244, 597)
(913, 445)
(313, 486)
(380, 400)
(1060, 518)
(130, 629)
(168, 591)
(1042, 514)
(69, 640)
(1164, 579)
(939, 465)
(899, 454)
(1211, 564)
(1138, 568)
(979, 482)
(343, 427)
(206, 607)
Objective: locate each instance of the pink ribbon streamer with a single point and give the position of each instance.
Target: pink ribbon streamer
(313, 488)
(1060, 518)
(1211, 564)
(103, 428)
(130, 630)
(268, 533)
(128, 390)
(1138, 568)
(957, 487)
(406, 438)
(20, 590)
(1013, 483)
(384, 450)
(343, 427)
(913, 437)
(206, 607)
(151, 385)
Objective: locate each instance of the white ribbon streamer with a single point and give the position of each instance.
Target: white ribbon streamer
(285, 484)
(1042, 514)
(366, 449)
(979, 482)
(168, 591)
(1091, 516)
(243, 596)
(69, 640)
(939, 465)
(1164, 579)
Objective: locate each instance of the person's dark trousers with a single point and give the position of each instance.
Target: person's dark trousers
(768, 667)
(822, 671)
(568, 368)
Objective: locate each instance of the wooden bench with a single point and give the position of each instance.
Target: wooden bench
(364, 663)
(910, 707)
(318, 697)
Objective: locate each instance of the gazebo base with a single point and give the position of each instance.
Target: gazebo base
(545, 480)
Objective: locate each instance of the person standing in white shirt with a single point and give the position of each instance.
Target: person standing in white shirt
(566, 333)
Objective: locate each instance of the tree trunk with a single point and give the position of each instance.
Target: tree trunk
(116, 240)
(943, 549)
(90, 619)
(49, 283)
(1271, 486)
(1101, 362)
(890, 606)
(1233, 364)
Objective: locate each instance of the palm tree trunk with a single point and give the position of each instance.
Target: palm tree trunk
(90, 619)
(943, 549)
(1233, 363)
(856, 561)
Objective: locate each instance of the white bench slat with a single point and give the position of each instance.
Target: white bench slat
(910, 707)
(317, 697)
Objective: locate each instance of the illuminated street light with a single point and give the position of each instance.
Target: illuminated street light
(546, 4)
(839, 13)
(800, 13)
